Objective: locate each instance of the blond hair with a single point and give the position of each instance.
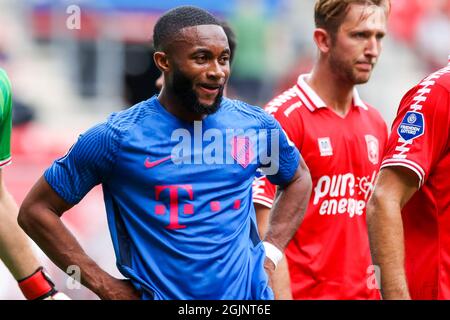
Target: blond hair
(330, 14)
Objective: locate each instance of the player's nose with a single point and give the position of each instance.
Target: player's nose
(217, 70)
(373, 47)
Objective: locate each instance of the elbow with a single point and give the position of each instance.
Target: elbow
(22, 218)
(306, 181)
(309, 182)
(26, 218)
(370, 208)
(373, 206)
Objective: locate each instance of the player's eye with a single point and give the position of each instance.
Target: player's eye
(362, 35)
(200, 59)
(224, 59)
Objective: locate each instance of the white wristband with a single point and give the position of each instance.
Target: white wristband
(273, 253)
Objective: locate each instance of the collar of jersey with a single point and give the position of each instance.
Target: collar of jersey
(312, 100)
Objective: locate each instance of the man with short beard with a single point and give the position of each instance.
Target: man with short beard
(182, 226)
(341, 139)
(231, 36)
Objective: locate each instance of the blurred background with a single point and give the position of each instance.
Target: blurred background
(72, 63)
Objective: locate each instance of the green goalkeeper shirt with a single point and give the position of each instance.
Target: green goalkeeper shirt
(5, 119)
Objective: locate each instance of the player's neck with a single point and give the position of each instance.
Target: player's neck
(336, 93)
(173, 105)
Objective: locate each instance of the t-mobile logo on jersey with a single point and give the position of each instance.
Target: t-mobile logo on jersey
(343, 193)
(174, 192)
(177, 192)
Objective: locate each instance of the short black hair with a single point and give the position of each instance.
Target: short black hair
(176, 19)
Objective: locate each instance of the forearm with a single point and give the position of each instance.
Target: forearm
(15, 249)
(288, 210)
(387, 246)
(281, 283)
(49, 232)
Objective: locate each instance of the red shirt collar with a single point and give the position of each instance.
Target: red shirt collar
(312, 100)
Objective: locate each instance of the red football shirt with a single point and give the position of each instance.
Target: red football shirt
(420, 142)
(329, 256)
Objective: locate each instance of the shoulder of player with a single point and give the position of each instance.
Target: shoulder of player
(120, 124)
(126, 119)
(434, 84)
(443, 77)
(257, 115)
(284, 110)
(242, 108)
(443, 85)
(284, 104)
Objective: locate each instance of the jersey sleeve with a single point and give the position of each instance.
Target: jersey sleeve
(263, 191)
(87, 164)
(6, 120)
(419, 133)
(291, 122)
(284, 157)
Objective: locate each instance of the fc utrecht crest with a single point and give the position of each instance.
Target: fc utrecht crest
(241, 150)
(372, 149)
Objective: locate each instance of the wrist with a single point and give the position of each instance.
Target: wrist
(397, 293)
(395, 288)
(273, 253)
(102, 284)
(37, 286)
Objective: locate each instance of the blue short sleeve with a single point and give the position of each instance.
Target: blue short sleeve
(87, 164)
(284, 156)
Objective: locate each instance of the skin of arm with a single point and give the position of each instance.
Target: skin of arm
(281, 282)
(39, 216)
(15, 249)
(393, 189)
(287, 213)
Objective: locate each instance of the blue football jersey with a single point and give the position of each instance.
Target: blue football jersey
(178, 195)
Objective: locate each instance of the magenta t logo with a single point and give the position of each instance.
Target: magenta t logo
(174, 191)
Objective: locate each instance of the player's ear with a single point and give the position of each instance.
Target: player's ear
(161, 61)
(322, 38)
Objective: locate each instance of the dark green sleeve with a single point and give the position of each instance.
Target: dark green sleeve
(5, 119)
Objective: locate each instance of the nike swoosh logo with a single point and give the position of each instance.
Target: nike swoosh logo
(151, 164)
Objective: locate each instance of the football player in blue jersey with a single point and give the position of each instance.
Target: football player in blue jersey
(176, 172)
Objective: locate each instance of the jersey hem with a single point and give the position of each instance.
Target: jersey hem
(417, 169)
(59, 192)
(6, 162)
(263, 201)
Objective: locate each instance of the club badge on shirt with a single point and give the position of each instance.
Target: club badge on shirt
(325, 147)
(242, 150)
(372, 149)
(412, 126)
